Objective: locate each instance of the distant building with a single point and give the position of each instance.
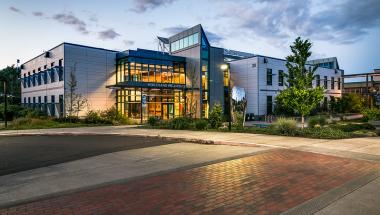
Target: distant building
(369, 88)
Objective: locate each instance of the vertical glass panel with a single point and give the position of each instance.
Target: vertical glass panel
(144, 73)
(195, 37)
(180, 44)
(158, 74)
(170, 74)
(132, 71)
(164, 74)
(186, 42)
(191, 40)
(151, 73)
(137, 72)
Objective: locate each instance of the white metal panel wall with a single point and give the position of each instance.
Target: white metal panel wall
(94, 70)
(244, 74)
(56, 88)
(254, 80)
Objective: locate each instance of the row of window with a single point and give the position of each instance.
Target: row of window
(41, 76)
(31, 102)
(184, 42)
(131, 71)
(281, 77)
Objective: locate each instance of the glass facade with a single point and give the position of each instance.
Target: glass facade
(184, 42)
(205, 68)
(150, 87)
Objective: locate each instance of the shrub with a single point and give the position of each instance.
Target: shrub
(285, 126)
(215, 117)
(114, 116)
(317, 121)
(21, 122)
(351, 127)
(323, 133)
(371, 114)
(364, 133)
(180, 123)
(153, 121)
(201, 124)
(93, 117)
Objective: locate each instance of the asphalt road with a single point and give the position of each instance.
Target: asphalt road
(29, 152)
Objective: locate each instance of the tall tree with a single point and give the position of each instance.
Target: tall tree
(300, 94)
(11, 75)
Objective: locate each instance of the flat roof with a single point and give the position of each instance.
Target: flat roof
(66, 43)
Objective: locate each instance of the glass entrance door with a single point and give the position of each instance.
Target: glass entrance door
(167, 111)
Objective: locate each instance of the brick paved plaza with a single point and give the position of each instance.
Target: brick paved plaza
(267, 183)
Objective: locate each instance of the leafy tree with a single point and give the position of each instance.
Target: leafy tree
(300, 94)
(74, 101)
(350, 103)
(11, 75)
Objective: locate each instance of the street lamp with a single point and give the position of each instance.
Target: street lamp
(225, 69)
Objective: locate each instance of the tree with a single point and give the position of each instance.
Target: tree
(300, 94)
(74, 102)
(11, 75)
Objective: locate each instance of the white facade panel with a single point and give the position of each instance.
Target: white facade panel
(251, 74)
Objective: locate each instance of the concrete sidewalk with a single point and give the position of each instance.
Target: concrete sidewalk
(358, 148)
(112, 168)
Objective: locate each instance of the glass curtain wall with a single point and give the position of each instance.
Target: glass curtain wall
(205, 68)
(163, 103)
(153, 73)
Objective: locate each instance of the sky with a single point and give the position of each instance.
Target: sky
(346, 29)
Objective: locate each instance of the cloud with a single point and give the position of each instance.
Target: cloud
(108, 34)
(37, 13)
(283, 20)
(141, 6)
(129, 42)
(174, 30)
(71, 20)
(214, 38)
(14, 9)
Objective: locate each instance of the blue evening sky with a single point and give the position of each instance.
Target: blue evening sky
(346, 29)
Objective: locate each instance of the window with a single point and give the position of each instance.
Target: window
(39, 99)
(52, 106)
(332, 83)
(52, 75)
(52, 65)
(280, 78)
(184, 42)
(24, 100)
(60, 74)
(45, 67)
(29, 100)
(269, 104)
(60, 63)
(339, 83)
(34, 100)
(269, 76)
(24, 81)
(318, 81)
(34, 78)
(325, 82)
(44, 75)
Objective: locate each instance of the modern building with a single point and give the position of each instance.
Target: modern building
(185, 76)
(369, 88)
(46, 78)
(263, 78)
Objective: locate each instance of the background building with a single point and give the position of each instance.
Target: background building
(262, 78)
